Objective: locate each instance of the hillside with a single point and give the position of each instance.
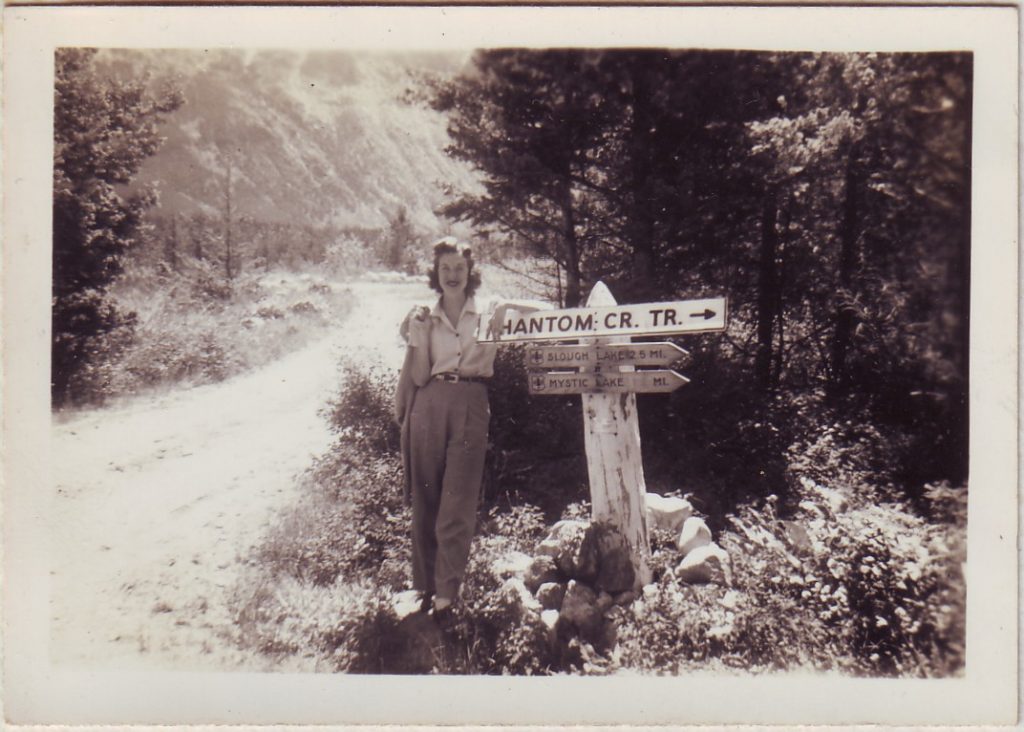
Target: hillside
(313, 137)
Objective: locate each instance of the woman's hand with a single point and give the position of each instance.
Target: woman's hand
(419, 324)
(497, 321)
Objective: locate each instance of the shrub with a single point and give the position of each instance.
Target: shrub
(886, 587)
(361, 412)
(351, 522)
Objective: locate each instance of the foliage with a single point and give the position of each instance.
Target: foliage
(189, 328)
(103, 131)
(826, 194)
(361, 412)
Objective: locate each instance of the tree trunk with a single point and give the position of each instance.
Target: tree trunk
(641, 221)
(846, 314)
(171, 245)
(227, 225)
(767, 290)
(573, 285)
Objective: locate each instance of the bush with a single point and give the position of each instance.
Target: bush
(886, 588)
(190, 328)
(361, 412)
(352, 522)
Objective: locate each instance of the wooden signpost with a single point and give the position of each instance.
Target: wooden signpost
(589, 357)
(572, 382)
(684, 316)
(602, 368)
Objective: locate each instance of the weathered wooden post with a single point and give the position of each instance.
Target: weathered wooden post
(602, 368)
(611, 432)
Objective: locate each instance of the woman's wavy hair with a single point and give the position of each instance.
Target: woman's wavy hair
(449, 245)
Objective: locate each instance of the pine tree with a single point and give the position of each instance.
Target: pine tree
(103, 130)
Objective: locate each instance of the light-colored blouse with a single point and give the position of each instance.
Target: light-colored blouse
(454, 347)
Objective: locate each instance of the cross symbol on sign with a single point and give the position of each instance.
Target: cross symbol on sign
(538, 383)
(536, 356)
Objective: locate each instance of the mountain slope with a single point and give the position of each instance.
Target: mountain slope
(318, 137)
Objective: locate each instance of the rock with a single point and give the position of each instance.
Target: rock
(542, 569)
(550, 595)
(553, 542)
(415, 647)
(579, 607)
(604, 601)
(624, 598)
(666, 513)
(695, 533)
(834, 499)
(550, 620)
(797, 537)
(406, 603)
(571, 544)
(615, 571)
(516, 588)
(708, 563)
(513, 564)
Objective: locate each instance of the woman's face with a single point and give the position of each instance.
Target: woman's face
(453, 273)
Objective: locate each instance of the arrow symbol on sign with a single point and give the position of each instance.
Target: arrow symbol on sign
(708, 314)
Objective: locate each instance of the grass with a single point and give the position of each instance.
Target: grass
(844, 578)
(192, 328)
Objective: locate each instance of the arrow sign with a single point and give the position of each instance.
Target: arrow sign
(589, 357)
(658, 318)
(570, 382)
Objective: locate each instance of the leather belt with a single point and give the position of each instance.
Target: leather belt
(456, 378)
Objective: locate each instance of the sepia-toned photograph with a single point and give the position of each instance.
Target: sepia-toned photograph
(496, 359)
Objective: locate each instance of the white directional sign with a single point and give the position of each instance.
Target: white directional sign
(586, 382)
(683, 316)
(587, 357)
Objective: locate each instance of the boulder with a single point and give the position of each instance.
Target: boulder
(515, 589)
(579, 607)
(571, 544)
(541, 570)
(604, 601)
(708, 563)
(695, 533)
(667, 513)
(550, 595)
(512, 564)
(615, 572)
(558, 534)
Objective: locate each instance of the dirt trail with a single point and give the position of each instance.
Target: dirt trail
(158, 503)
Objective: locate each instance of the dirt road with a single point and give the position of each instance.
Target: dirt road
(158, 503)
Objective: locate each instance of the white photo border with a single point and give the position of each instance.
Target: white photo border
(36, 693)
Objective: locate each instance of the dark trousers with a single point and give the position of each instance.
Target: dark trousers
(448, 441)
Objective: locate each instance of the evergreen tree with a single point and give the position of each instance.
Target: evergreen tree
(103, 130)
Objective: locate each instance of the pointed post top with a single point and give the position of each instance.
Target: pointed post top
(600, 296)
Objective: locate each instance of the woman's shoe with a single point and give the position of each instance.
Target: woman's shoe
(444, 616)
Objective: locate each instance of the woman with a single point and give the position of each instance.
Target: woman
(448, 422)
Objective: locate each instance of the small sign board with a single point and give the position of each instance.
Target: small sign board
(586, 382)
(683, 316)
(598, 356)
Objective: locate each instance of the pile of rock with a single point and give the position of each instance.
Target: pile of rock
(702, 559)
(582, 574)
(579, 572)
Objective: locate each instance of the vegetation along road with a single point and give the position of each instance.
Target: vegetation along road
(159, 501)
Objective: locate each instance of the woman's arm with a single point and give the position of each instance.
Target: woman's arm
(500, 314)
(419, 345)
